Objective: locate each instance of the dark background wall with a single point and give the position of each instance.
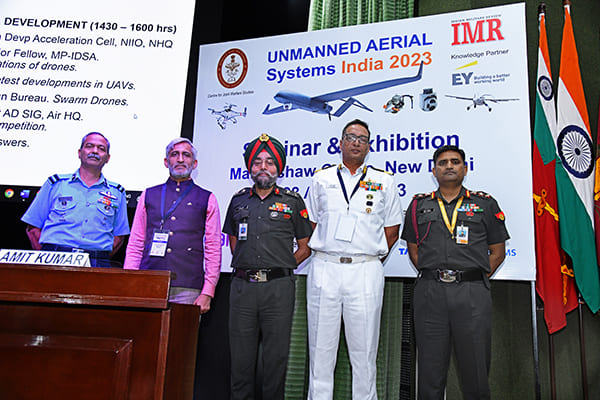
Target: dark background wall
(513, 374)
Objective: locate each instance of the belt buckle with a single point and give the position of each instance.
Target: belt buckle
(447, 275)
(345, 260)
(259, 276)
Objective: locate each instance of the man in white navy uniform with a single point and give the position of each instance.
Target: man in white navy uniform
(356, 214)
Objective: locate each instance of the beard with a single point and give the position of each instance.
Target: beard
(179, 174)
(263, 179)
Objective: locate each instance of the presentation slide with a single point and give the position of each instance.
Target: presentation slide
(69, 67)
(457, 78)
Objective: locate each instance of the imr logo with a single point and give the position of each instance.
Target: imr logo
(485, 30)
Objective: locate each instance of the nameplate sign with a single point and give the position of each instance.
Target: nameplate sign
(43, 257)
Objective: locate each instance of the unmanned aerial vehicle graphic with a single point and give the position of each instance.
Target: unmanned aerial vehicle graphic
(396, 103)
(227, 114)
(481, 100)
(319, 104)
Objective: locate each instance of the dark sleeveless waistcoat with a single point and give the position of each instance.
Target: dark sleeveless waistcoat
(185, 248)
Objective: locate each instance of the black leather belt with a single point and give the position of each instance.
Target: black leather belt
(96, 254)
(261, 275)
(451, 275)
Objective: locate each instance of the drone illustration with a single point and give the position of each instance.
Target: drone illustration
(396, 103)
(319, 104)
(481, 100)
(227, 114)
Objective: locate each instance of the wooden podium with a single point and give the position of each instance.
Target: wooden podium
(93, 333)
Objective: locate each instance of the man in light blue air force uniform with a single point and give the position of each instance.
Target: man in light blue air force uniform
(82, 211)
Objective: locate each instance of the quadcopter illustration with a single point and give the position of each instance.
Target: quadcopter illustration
(396, 103)
(319, 104)
(227, 114)
(481, 100)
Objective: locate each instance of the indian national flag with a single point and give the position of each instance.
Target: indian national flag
(575, 171)
(554, 280)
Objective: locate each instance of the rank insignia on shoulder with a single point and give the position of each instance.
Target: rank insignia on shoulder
(419, 196)
(292, 193)
(381, 170)
(325, 167)
(500, 216)
(481, 194)
(242, 191)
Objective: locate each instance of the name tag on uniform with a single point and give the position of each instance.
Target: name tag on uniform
(462, 234)
(345, 228)
(159, 242)
(243, 231)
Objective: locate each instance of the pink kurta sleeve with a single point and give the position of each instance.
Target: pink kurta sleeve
(212, 247)
(135, 246)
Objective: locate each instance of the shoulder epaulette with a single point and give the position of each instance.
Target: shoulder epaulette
(116, 186)
(242, 191)
(381, 170)
(480, 194)
(291, 193)
(56, 177)
(419, 196)
(324, 168)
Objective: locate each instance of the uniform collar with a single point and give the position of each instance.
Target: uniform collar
(359, 171)
(276, 192)
(463, 193)
(76, 177)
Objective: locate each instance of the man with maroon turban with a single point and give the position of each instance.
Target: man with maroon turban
(262, 222)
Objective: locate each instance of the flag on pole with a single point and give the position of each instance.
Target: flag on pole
(575, 171)
(554, 281)
(597, 191)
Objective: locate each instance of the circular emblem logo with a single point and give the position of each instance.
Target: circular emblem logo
(232, 68)
(575, 151)
(545, 88)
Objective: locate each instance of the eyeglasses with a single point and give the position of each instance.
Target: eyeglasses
(353, 138)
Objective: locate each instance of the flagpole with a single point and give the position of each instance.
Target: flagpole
(582, 347)
(536, 352)
(552, 369)
(567, 6)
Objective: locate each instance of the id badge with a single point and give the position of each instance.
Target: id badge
(159, 242)
(243, 231)
(345, 228)
(462, 234)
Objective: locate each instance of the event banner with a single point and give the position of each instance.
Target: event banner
(420, 83)
(69, 67)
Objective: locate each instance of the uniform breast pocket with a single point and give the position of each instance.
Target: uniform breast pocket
(475, 218)
(241, 214)
(278, 221)
(63, 206)
(374, 202)
(106, 213)
(425, 216)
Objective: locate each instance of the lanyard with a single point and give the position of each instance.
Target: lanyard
(339, 175)
(163, 217)
(454, 214)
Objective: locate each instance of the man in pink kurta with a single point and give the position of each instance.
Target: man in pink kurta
(177, 228)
